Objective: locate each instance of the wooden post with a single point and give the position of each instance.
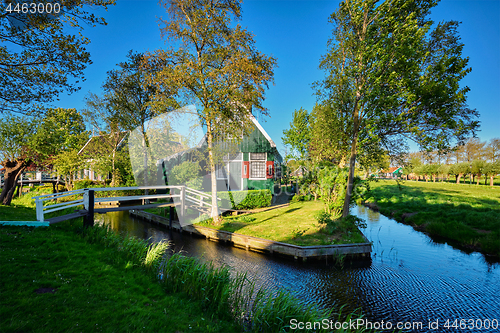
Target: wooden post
(170, 216)
(20, 188)
(88, 220)
(39, 210)
(183, 200)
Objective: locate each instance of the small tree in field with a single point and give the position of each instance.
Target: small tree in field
(492, 169)
(432, 170)
(459, 170)
(444, 171)
(29, 143)
(476, 169)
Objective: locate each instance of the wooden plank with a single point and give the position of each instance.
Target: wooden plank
(61, 218)
(140, 207)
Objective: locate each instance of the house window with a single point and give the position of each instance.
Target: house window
(235, 157)
(258, 165)
(220, 171)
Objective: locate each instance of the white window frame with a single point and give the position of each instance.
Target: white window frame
(225, 163)
(218, 170)
(251, 161)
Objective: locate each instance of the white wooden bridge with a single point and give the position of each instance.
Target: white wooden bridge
(182, 198)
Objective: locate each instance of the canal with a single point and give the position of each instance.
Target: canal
(410, 279)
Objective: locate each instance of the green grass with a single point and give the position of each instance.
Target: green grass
(467, 215)
(54, 280)
(294, 224)
(22, 208)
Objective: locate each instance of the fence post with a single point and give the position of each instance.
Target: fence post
(39, 209)
(88, 220)
(183, 200)
(86, 199)
(170, 216)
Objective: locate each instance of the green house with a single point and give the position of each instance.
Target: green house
(254, 164)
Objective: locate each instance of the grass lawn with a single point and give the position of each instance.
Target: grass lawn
(294, 224)
(53, 280)
(469, 215)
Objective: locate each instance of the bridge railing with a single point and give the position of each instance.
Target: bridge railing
(42, 209)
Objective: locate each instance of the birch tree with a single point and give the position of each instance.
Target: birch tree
(399, 79)
(211, 62)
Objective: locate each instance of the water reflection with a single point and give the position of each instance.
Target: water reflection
(410, 277)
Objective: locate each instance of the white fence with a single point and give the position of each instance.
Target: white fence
(185, 195)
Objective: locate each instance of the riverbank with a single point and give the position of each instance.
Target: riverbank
(336, 253)
(67, 278)
(468, 216)
(54, 280)
(293, 224)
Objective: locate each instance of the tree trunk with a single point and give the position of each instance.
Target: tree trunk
(352, 160)
(113, 175)
(215, 208)
(57, 183)
(13, 169)
(458, 178)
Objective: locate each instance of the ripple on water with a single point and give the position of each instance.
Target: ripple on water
(410, 278)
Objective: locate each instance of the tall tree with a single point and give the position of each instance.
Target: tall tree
(124, 107)
(473, 149)
(105, 150)
(40, 57)
(216, 67)
(403, 80)
(299, 134)
(328, 144)
(492, 151)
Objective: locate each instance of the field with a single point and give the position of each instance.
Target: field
(293, 224)
(467, 215)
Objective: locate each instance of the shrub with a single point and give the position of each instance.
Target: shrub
(247, 199)
(347, 224)
(87, 183)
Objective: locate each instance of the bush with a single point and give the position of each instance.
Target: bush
(247, 199)
(347, 224)
(87, 183)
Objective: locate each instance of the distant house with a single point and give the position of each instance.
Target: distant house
(98, 145)
(393, 172)
(301, 170)
(256, 163)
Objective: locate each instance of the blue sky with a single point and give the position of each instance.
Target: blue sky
(296, 33)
